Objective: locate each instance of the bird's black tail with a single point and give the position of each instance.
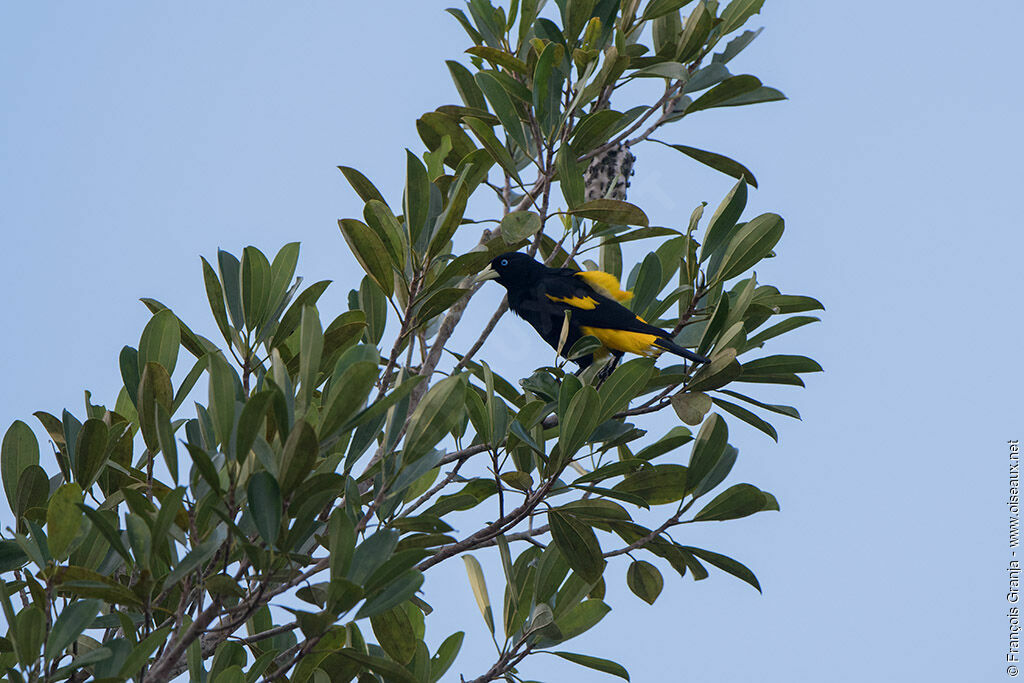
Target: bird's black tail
(668, 345)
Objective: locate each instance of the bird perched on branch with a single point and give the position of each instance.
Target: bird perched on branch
(542, 296)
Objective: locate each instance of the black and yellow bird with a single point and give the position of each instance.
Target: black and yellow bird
(541, 296)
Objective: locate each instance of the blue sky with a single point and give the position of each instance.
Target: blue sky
(135, 138)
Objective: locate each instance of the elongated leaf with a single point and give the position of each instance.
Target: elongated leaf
(392, 671)
(724, 221)
(747, 416)
(724, 92)
(503, 108)
(215, 295)
(445, 655)
(570, 177)
(399, 590)
(437, 413)
(581, 618)
(611, 211)
(19, 450)
(739, 500)
(789, 411)
(707, 449)
(494, 147)
(718, 162)
(596, 663)
(479, 586)
(737, 13)
(222, 397)
(623, 385)
(160, 341)
(370, 252)
(63, 519)
(361, 184)
(657, 484)
(250, 422)
(468, 90)
(578, 544)
(264, 498)
(70, 624)
(750, 244)
(154, 390)
(780, 364)
(300, 453)
(722, 369)
(578, 420)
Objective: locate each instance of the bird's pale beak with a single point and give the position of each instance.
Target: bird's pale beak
(487, 273)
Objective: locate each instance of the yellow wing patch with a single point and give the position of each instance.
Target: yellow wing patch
(585, 303)
(621, 340)
(605, 283)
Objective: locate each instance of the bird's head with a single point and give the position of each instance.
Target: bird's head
(513, 269)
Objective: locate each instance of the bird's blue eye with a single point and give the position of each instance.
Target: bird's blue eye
(504, 261)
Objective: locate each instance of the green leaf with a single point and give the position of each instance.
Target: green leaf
(28, 633)
(311, 347)
(735, 46)
(160, 341)
(722, 369)
(658, 8)
(468, 90)
(708, 447)
(578, 420)
(361, 184)
(657, 484)
(691, 407)
(438, 302)
(215, 295)
(222, 397)
(717, 161)
(143, 651)
(596, 663)
(779, 328)
(165, 439)
(63, 519)
(581, 618)
(298, 458)
(264, 500)
(750, 244)
(747, 416)
(369, 250)
(12, 557)
(727, 564)
(396, 592)
(503, 108)
(437, 413)
(623, 385)
(611, 211)
(695, 33)
(19, 450)
(519, 225)
(112, 535)
(395, 634)
(391, 671)
(445, 656)
(737, 13)
(723, 94)
(154, 390)
(570, 176)
(479, 586)
(70, 624)
(547, 87)
(230, 277)
(379, 217)
(739, 500)
(251, 421)
(494, 147)
(789, 411)
(595, 129)
(499, 57)
(770, 365)
(724, 220)
(256, 287)
(450, 219)
(644, 579)
(578, 544)
(417, 197)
